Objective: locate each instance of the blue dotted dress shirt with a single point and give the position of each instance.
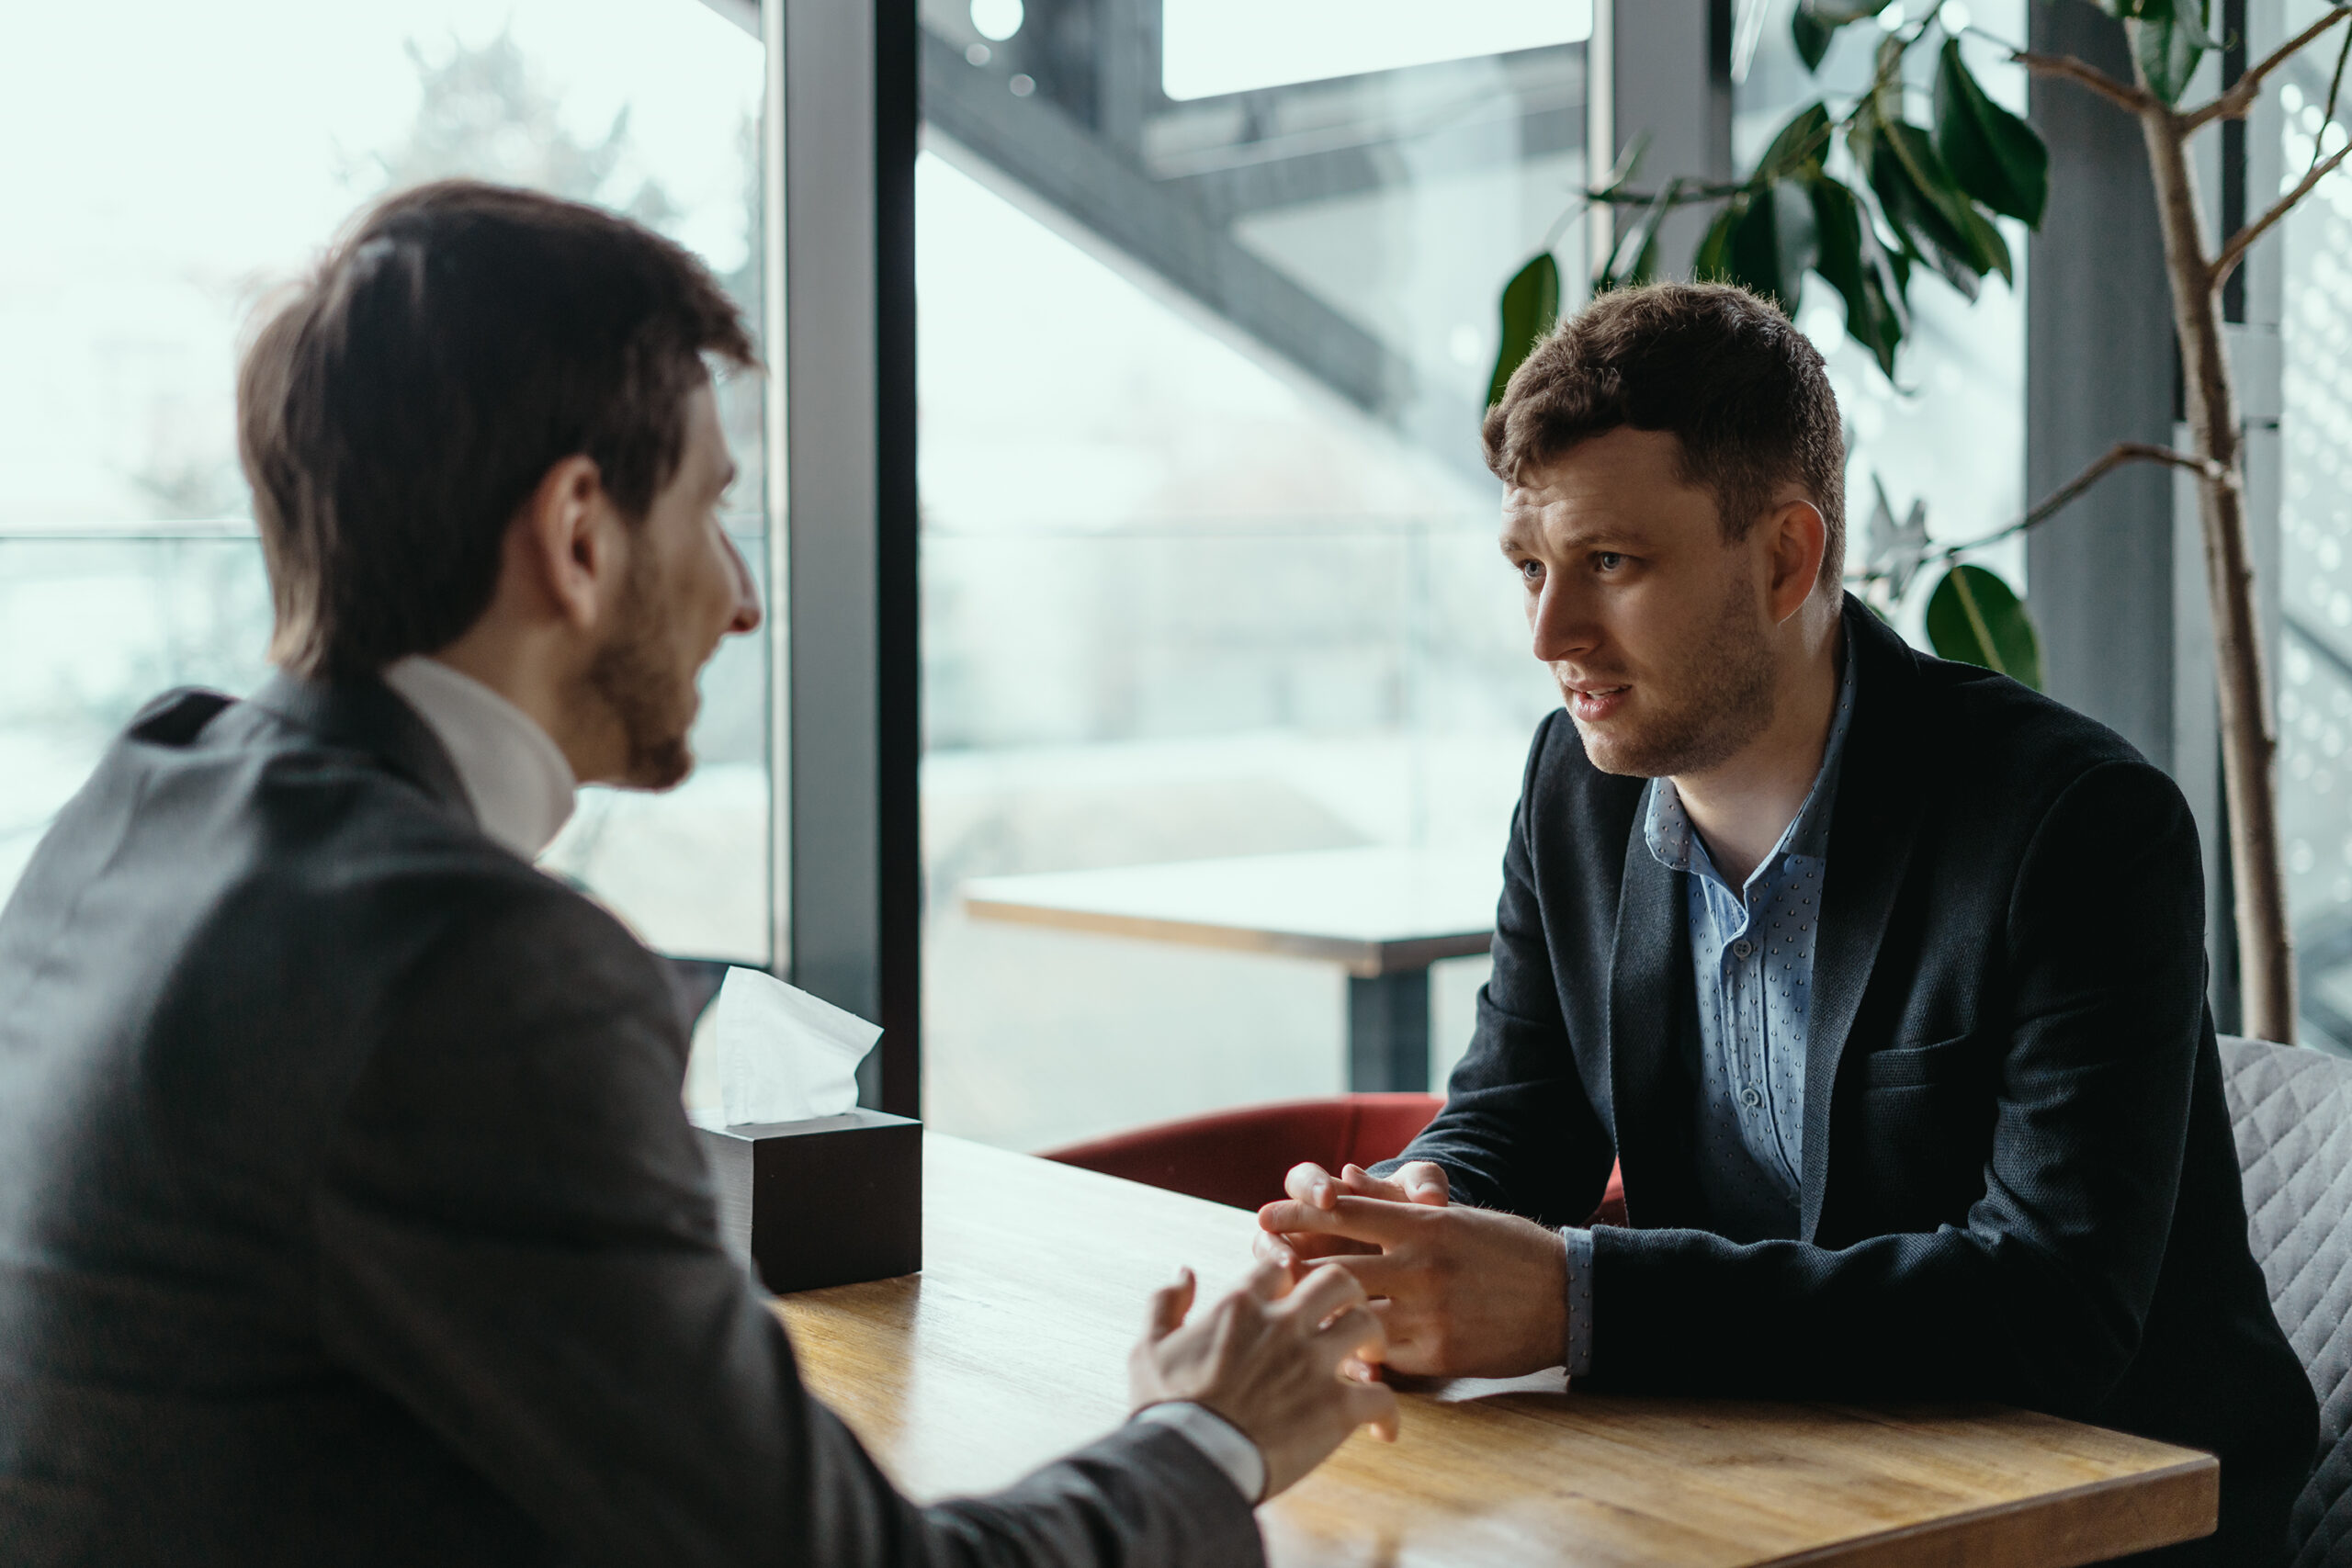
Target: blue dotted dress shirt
(1751, 955)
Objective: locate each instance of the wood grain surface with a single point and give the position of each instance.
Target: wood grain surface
(1011, 1346)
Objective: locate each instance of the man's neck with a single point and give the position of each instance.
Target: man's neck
(1742, 805)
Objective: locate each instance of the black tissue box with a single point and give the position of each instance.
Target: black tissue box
(834, 1200)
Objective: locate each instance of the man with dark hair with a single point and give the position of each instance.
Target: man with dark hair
(347, 1210)
(1882, 978)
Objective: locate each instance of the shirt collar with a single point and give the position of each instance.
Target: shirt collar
(515, 776)
(1676, 845)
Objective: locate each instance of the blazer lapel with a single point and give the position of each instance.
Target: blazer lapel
(1872, 824)
(1646, 1074)
(368, 715)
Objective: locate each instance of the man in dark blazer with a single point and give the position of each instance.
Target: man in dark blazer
(1881, 976)
(348, 1213)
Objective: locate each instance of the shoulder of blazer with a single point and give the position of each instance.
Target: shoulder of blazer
(333, 827)
(2014, 747)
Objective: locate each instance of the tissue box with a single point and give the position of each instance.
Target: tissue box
(834, 1200)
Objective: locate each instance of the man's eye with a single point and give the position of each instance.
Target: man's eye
(1531, 570)
(1608, 560)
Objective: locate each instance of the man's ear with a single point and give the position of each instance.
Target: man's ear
(1799, 538)
(564, 547)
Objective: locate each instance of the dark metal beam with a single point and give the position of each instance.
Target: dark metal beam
(839, 165)
(1171, 228)
(1312, 140)
(1250, 186)
(1056, 161)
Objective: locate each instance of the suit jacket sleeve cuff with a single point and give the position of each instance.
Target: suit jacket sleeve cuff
(1579, 1357)
(1220, 1443)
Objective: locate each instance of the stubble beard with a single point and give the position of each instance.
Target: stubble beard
(635, 676)
(1718, 697)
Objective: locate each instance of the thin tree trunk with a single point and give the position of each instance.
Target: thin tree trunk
(2249, 736)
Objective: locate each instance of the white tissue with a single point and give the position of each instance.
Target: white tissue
(766, 1052)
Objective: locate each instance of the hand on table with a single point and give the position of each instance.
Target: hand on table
(1462, 1291)
(1269, 1359)
(1420, 1182)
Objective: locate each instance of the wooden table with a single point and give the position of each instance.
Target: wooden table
(1011, 1347)
(1383, 914)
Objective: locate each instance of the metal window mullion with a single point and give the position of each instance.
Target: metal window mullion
(840, 142)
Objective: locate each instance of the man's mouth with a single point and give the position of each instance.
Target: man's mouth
(1593, 703)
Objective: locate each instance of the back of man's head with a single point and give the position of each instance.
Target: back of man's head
(1743, 393)
(455, 344)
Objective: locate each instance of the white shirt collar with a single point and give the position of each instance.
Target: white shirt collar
(514, 774)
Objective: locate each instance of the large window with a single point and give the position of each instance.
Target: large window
(1208, 312)
(172, 164)
(1208, 555)
(1948, 430)
(2315, 525)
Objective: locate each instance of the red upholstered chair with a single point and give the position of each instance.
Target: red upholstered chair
(1239, 1158)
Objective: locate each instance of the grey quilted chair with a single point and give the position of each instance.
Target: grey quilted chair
(2292, 1110)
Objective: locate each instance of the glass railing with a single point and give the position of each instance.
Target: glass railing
(95, 620)
(1173, 689)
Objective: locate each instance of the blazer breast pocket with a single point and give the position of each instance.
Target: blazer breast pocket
(1922, 1132)
(1952, 1061)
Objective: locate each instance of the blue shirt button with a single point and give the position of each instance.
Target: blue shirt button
(1743, 948)
(1750, 1098)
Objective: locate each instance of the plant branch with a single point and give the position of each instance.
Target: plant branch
(2065, 495)
(2233, 102)
(2123, 94)
(1995, 40)
(1688, 192)
(1679, 193)
(2241, 242)
(2334, 86)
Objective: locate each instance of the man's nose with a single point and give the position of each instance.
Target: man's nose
(1562, 625)
(747, 593)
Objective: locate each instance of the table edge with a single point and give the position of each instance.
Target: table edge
(1362, 956)
(2197, 1471)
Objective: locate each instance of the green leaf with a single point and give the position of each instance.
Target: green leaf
(1992, 154)
(1871, 318)
(1985, 236)
(1713, 264)
(1813, 37)
(1882, 314)
(1814, 28)
(2192, 16)
(1798, 147)
(1763, 241)
(2168, 41)
(1776, 243)
(1531, 305)
(1974, 618)
(1933, 217)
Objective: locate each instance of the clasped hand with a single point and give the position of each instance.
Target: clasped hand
(1461, 1292)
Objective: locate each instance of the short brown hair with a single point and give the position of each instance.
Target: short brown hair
(457, 342)
(1738, 386)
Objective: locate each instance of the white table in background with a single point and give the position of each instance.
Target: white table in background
(1383, 914)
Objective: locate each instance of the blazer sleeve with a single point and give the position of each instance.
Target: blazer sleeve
(1518, 1131)
(518, 1243)
(2040, 1297)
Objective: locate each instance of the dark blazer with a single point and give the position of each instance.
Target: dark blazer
(2018, 1178)
(349, 1215)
